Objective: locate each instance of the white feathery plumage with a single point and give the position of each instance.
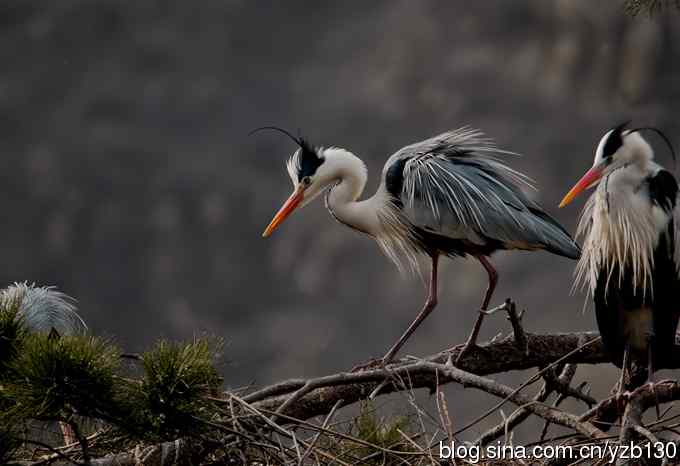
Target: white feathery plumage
(614, 236)
(43, 308)
(395, 239)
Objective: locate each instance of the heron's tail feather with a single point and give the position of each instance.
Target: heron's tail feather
(43, 309)
(555, 238)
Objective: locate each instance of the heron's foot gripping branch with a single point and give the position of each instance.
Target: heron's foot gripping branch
(373, 363)
(515, 319)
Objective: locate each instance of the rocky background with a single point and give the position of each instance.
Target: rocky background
(129, 181)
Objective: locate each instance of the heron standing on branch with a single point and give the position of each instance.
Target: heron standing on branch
(631, 251)
(449, 195)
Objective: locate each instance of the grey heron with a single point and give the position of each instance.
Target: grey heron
(449, 195)
(43, 309)
(631, 251)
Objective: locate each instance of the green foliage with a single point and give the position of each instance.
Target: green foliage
(80, 379)
(650, 7)
(56, 378)
(12, 335)
(171, 399)
(380, 433)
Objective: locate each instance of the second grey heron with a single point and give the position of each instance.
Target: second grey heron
(631, 251)
(448, 195)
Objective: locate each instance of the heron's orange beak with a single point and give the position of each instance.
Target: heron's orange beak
(286, 209)
(590, 178)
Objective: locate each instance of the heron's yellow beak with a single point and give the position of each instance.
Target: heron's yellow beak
(590, 178)
(286, 209)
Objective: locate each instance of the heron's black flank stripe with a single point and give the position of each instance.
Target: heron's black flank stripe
(309, 160)
(663, 189)
(394, 180)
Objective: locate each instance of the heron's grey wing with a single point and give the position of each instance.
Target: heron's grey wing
(44, 309)
(455, 185)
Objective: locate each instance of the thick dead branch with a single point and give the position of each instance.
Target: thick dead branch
(426, 373)
(502, 356)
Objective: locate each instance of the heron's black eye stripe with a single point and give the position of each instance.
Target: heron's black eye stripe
(614, 142)
(309, 161)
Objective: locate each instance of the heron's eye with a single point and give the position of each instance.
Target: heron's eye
(306, 181)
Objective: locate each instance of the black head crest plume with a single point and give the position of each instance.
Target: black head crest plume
(662, 135)
(304, 145)
(621, 126)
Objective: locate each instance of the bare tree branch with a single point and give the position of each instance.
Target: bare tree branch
(546, 412)
(522, 414)
(502, 356)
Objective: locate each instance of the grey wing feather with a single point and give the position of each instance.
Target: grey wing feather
(455, 185)
(43, 309)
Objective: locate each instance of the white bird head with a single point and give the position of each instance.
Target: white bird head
(618, 147)
(309, 172)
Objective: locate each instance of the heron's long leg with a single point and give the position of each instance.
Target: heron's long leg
(622, 394)
(493, 280)
(650, 362)
(624, 368)
(67, 433)
(650, 374)
(429, 305)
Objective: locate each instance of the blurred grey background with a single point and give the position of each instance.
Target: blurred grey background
(129, 180)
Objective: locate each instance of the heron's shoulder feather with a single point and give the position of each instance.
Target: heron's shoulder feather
(663, 189)
(663, 192)
(432, 164)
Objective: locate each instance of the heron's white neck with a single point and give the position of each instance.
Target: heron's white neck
(348, 172)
